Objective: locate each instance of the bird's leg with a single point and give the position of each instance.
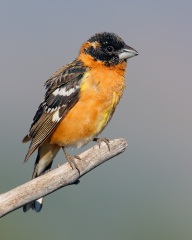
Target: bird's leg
(71, 160)
(99, 140)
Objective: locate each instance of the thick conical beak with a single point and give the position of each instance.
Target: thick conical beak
(127, 52)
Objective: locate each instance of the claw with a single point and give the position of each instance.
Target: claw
(71, 160)
(99, 140)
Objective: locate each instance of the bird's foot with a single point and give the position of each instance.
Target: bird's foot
(99, 140)
(71, 160)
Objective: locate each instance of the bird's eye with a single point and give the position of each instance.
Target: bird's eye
(110, 49)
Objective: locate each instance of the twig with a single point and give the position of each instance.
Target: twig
(59, 177)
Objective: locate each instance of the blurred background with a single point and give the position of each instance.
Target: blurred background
(144, 193)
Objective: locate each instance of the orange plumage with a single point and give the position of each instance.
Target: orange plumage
(80, 100)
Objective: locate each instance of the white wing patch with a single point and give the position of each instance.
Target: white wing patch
(63, 92)
(50, 110)
(55, 117)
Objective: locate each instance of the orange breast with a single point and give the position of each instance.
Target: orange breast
(101, 90)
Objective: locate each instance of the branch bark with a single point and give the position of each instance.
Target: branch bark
(60, 177)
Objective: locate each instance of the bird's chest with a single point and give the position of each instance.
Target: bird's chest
(99, 95)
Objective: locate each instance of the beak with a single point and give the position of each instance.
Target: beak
(127, 52)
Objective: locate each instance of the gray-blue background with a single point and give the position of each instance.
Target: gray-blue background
(144, 193)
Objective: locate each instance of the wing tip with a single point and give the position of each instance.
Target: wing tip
(27, 138)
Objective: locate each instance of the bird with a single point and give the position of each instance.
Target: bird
(79, 102)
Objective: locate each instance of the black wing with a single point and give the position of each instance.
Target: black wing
(62, 94)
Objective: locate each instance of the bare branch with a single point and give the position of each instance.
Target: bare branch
(59, 177)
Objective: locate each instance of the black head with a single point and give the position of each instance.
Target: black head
(109, 48)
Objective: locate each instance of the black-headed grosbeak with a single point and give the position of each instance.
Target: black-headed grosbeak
(80, 100)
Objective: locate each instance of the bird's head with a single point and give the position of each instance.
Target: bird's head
(108, 48)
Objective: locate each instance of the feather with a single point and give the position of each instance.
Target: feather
(63, 89)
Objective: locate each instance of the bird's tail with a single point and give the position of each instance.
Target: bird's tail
(45, 156)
